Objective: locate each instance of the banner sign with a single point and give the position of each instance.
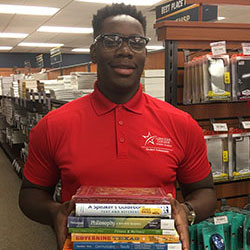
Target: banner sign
(39, 61)
(178, 10)
(55, 55)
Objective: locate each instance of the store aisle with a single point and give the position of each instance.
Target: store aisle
(16, 231)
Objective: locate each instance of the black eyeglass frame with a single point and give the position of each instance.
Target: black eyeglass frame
(124, 38)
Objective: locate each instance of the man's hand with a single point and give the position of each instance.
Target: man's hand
(181, 223)
(60, 222)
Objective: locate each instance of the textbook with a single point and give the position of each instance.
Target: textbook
(120, 222)
(68, 245)
(140, 238)
(120, 230)
(126, 246)
(134, 210)
(133, 195)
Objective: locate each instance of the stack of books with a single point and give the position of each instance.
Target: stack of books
(121, 218)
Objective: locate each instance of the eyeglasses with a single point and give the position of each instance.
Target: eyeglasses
(114, 41)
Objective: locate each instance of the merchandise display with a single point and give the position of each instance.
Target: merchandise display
(207, 79)
(228, 230)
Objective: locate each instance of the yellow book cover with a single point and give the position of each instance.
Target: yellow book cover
(140, 238)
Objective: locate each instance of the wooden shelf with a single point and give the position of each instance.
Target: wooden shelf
(202, 31)
(217, 110)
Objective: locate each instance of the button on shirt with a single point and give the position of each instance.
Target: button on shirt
(93, 141)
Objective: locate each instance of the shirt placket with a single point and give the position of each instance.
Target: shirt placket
(122, 141)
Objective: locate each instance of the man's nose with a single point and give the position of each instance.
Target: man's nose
(124, 49)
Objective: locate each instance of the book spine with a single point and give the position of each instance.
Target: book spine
(140, 210)
(120, 222)
(133, 238)
(114, 246)
(119, 200)
(115, 230)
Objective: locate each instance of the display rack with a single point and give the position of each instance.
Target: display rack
(180, 37)
(39, 103)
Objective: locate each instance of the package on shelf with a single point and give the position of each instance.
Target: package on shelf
(83, 80)
(217, 153)
(65, 94)
(14, 136)
(81, 92)
(14, 89)
(6, 83)
(240, 154)
(38, 76)
(8, 110)
(153, 81)
(3, 122)
(216, 78)
(26, 85)
(240, 66)
(24, 152)
(65, 80)
(187, 83)
(46, 85)
(17, 77)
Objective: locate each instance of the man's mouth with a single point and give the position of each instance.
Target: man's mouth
(125, 70)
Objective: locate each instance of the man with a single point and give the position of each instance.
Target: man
(117, 136)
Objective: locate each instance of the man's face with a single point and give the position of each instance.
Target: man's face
(119, 70)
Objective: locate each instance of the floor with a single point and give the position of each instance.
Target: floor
(17, 232)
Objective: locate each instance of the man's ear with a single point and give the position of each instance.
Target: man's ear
(93, 53)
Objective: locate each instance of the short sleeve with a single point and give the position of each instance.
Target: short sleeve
(195, 165)
(40, 167)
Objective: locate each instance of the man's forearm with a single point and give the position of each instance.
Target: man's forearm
(38, 205)
(203, 201)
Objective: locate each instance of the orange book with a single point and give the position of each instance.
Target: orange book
(68, 245)
(129, 195)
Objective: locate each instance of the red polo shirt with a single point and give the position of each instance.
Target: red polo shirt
(92, 141)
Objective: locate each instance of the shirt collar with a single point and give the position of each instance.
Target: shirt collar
(103, 105)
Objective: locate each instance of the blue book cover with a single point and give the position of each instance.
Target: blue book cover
(124, 246)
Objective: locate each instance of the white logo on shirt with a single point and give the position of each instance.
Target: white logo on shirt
(155, 143)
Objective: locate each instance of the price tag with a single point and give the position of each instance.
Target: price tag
(174, 246)
(225, 156)
(220, 220)
(220, 127)
(246, 49)
(227, 78)
(246, 124)
(218, 48)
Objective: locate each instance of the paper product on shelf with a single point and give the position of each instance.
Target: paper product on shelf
(154, 83)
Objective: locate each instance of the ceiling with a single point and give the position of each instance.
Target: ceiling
(79, 14)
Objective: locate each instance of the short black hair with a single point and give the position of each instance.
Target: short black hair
(114, 10)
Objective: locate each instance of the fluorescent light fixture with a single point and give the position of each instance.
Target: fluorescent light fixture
(219, 18)
(41, 44)
(58, 29)
(5, 48)
(27, 10)
(154, 47)
(81, 50)
(13, 35)
(132, 2)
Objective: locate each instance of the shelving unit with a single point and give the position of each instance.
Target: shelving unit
(41, 105)
(195, 37)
